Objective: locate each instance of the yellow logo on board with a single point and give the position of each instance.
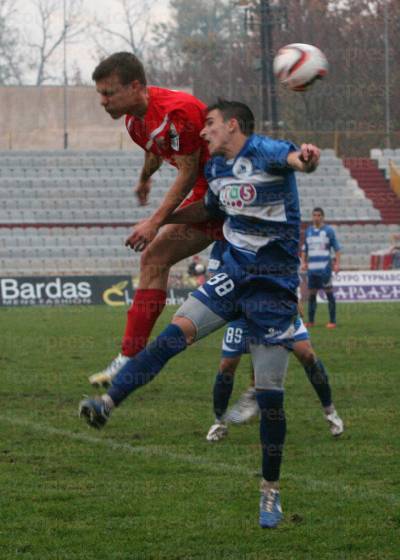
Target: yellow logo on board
(111, 295)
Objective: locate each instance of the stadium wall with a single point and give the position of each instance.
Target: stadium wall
(33, 118)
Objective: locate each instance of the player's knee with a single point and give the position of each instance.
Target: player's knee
(228, 366)
(205, 320)
(270, 366)
(187, 327)
(305, 355)
(330, 295)
(151, 256)
(266, 382)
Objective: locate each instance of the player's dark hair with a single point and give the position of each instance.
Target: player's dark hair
(125, 64)
(318, 209)
(235, 110)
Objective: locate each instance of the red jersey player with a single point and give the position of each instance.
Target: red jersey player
(167, 125)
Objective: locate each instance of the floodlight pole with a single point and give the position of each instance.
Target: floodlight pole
(264, 65)
(233, 5)
(269, 101)
(230, 59)
(65, 89)
(387, 74)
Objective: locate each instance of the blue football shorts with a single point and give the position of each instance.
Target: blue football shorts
(319, 281)
(269, 312)
(237, 339)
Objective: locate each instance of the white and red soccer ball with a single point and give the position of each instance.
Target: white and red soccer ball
(298, 65)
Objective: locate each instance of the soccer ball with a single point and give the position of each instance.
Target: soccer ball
(298, 65)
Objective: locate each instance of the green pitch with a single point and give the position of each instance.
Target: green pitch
(149, 486)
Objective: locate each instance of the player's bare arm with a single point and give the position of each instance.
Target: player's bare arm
(303, 265)
(151, 164)
(336, 264)
(306, 159)
(188, 170)
(144, 232)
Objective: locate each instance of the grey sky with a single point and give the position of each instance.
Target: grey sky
(82, 53)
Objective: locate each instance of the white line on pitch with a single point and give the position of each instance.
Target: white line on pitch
(362, 493)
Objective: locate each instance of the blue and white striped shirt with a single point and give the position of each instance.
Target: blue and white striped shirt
(257, 194)
(318, 245)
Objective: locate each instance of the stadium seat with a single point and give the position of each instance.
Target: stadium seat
(95, 187)
(328, 152)
(375, 153)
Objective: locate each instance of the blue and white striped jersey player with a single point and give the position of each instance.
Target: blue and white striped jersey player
(252, 186)
(235, 343)
(316, 258)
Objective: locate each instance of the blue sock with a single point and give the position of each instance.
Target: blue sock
(312, 307)
(320, 381)
(144, 366)
(331, 307)
(272, 432)
(223, 386)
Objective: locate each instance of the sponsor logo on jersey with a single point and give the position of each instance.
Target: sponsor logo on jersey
(238, 196)
(271, 333)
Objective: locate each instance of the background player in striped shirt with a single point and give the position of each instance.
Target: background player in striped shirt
(320, 240)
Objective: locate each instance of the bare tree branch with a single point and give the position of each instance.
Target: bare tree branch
(135, 18)
(10, 54)
(53, 32)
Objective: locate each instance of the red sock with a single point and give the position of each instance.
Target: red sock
(146, 307)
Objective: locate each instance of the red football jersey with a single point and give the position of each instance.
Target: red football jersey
(170, 127)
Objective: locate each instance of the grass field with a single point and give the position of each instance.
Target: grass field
(150, 487)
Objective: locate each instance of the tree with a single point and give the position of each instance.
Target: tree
(201, 48)
(52, 33)
(135, 18)
(10, 55)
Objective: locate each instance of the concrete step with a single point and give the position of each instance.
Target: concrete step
(375, 187)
